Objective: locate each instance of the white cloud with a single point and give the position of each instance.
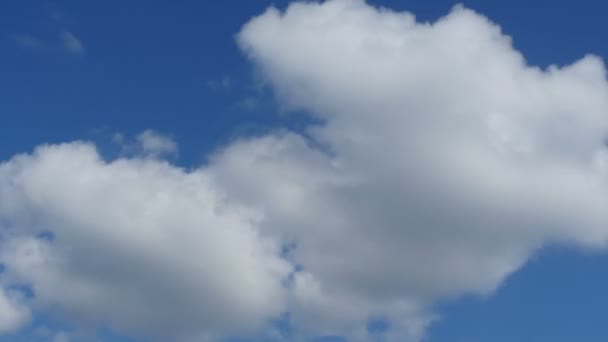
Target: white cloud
(155, 144)
(443, 163)
(14, 314)
(137, 244)
(450, 159)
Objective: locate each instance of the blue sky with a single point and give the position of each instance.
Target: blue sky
(106, 71)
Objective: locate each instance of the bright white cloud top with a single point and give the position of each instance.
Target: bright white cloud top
(443, 163)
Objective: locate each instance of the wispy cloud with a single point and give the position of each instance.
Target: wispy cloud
(148, 143)
(58, 39)
(224, 83)
(65, 42)
(70, 43)
(56, 14)
(27, 41)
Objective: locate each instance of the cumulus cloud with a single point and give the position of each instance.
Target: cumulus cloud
(448, 159)
(443, 161)
(135, 243)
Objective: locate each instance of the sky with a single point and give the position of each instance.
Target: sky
(303, 171)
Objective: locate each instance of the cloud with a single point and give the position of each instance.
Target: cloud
(65, 42)
(61, 337)
(224, 83)
(71, 43)
(449, 161)
(147, 144)
(442, 163)
(60, 39)
(14, 314)
(155, 144)
(27, 41)
(136, 244)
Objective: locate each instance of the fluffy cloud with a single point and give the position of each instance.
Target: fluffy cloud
(442, 163)
(136, 243)
(448, 159)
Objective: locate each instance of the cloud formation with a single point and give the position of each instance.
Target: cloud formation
(456, 160)
(155, 144)
(65, 42)
(136, 243)
(71, 44)
(14, 314)
(442, 163)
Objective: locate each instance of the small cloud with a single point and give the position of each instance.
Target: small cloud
(62, 336)
(223, 83)
(148, 143)
(71, 43)
(248, 104)
(155, 144)
(27, 41)
(15, 314)
(118, 138)
(59, 39)
(66, 42)
(56, 14)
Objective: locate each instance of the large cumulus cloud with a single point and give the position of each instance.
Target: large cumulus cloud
(441, 164)
(137, 244)
(449, 160)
